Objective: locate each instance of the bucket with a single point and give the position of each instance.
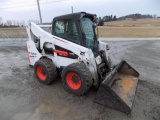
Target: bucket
(118, 89)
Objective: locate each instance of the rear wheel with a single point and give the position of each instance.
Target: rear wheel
(45, 71)
(76, 78)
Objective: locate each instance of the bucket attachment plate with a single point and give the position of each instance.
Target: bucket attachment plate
(118, 89)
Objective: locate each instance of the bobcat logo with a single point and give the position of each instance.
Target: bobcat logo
(82, 53)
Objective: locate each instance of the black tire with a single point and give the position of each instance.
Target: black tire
(45, 71)
(81, 73)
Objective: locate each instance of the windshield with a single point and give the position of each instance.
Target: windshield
(87, 28)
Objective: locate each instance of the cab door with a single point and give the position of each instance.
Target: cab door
(67, 29)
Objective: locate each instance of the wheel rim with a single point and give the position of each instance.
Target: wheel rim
(41, 73)
(71, 83)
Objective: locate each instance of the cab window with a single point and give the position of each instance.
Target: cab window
(87, 28)
(67, 29)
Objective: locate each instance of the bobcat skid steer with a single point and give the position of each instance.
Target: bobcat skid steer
(73, 51)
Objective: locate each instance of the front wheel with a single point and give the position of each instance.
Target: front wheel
(45, 71)
(76, 79)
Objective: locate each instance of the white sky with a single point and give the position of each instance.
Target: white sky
(25, 10)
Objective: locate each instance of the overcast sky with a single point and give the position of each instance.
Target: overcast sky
(27, 9)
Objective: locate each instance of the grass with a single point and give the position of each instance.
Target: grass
(131, 28)
(129, 32)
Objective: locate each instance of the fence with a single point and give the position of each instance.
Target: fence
(13, 36)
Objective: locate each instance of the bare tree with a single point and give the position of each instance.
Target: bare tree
(20, 23)
(14, 22)
(23, 23)
(1, 21)
(9, 23)
(154, 16)
(17, 23)
(35, 21)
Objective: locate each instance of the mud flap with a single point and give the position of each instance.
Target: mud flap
(118, 89)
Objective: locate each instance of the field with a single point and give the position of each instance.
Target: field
(126, 28)
(129, 32)
(131, 28)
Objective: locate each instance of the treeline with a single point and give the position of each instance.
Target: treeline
(136, 16)
(108, 18)
(15, 23)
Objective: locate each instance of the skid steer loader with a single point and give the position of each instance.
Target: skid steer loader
(73, 51)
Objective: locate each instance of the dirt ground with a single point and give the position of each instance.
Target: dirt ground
(19, 32)
(22, 97)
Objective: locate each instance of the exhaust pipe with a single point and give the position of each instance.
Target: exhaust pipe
(118, 89)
